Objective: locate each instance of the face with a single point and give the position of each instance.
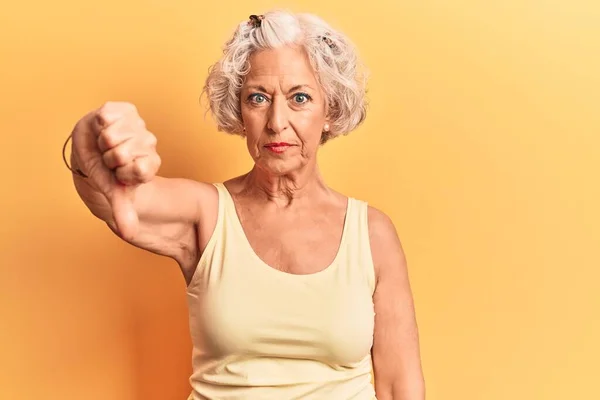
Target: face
(283, 110)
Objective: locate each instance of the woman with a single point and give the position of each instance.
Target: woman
(294, 290)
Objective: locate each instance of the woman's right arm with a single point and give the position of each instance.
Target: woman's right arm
(167, 216)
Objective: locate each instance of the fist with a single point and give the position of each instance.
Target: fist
(116, 151)
(127, 148)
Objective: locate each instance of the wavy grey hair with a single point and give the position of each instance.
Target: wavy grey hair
(332, 56)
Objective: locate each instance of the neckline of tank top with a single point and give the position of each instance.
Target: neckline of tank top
(288, 275)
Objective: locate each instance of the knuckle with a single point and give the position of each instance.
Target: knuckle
(102, 116)
(128, 110)
(141, 169)
(117, 156)
(124, 175)
(108, 139)
(151, 140)
(112, 111)
(106, 108)
(139, 123)
(121, 155)
(130, 107)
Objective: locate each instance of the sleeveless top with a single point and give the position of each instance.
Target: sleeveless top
(261, 333)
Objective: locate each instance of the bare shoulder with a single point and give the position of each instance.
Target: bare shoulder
(386, 248)
(207, 197)
(203, 198)
(380, 224)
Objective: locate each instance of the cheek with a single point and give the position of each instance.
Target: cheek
(309, 130)
(252, 143)
(251, 115)
(253, 126)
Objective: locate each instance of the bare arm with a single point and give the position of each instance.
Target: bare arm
(169, 213)
(162, 215)
(396, 354)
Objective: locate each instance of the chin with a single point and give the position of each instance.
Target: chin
(280, 166)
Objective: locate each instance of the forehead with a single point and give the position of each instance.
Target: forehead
(287, 65)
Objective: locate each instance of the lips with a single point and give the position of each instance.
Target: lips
(278, 147)
(277, 144)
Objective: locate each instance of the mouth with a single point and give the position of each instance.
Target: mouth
(278, 147)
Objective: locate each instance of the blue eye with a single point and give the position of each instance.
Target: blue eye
(258, 98)
(301, 98)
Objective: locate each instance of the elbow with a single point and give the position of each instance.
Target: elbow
(401, 390)
(417, 391)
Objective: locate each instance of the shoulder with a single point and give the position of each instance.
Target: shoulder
(386, 248)
(379, 222)
(207, 198)
(382, 230)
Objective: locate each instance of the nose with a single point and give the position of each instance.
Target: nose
(278, 115)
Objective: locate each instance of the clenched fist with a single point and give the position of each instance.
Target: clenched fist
(112, 146)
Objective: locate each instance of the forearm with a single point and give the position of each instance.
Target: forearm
(401, 390)
(415, 390)
(402, 380)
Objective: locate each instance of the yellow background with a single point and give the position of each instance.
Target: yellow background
(482, 143)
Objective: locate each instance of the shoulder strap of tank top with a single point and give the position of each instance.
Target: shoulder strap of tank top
(222, 200)
(358, 242)
(230, 220)
(214, 242)
(227, 220)
(226, 206)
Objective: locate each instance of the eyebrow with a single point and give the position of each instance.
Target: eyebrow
(257, 87)
(297, 87)
(261, 88)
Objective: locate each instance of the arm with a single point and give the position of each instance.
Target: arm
(171, 212)
(113, 148)
(396, 354)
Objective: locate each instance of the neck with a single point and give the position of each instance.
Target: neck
(284, 189)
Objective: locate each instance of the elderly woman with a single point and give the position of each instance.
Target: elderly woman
(295, 291)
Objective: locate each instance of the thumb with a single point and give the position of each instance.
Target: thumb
(124, 214)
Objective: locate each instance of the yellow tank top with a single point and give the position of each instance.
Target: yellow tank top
(261, 333)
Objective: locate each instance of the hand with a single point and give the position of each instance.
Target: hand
(112, 146)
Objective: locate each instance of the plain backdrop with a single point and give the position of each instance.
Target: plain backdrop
(482, 144)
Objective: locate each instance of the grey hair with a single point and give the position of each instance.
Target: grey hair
(332, 56)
